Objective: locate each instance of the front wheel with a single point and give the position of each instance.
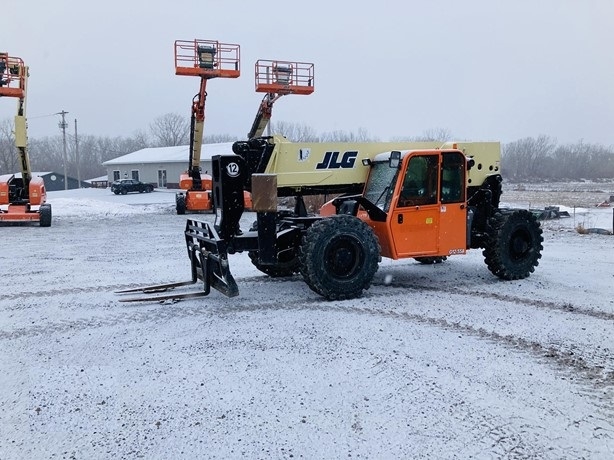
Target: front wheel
(513, 247)
(123, 191)
(339, 256)
(45, 215)
(180, 204)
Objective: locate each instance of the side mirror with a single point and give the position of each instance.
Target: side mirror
(395, 159)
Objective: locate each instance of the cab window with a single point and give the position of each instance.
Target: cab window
(452, 178)
(420, 182)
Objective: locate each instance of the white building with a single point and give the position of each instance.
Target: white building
(162, 166)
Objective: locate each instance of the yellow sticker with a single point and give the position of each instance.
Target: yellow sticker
(429, 220)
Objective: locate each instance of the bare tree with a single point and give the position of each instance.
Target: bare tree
(525, 158)
(218, 138)
(433, 134)
(8, 151)
(295, 132)
(170, 129)
(361, 135)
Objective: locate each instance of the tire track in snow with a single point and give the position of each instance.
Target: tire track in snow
(561, 307)
(597, 374)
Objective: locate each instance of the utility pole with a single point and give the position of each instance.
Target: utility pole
(63, 125)
(77, 155)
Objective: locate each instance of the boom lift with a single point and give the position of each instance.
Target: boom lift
(22, 199)
(425, 201)
(277, 79)
(206, 59)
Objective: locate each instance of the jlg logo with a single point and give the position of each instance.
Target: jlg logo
(331, 160)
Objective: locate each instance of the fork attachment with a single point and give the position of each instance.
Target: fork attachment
(208, 255)
(208, 262)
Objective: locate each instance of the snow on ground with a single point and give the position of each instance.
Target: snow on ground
(440, 361)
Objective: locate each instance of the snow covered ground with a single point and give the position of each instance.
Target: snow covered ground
(444, 361)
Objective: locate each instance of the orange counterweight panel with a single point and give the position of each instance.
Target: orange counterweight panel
(185, 182)
(19, 213)
(38, 194)
(198, 200)
(4, 192)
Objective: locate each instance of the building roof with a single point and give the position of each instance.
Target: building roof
(104, 178)
(174, 154)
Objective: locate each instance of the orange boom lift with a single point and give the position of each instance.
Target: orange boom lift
(276, 79)
(22, 199)
(206, 59)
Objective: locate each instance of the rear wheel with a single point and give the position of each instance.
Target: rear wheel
(180, 204)
(339, 257)
(514, 246)
(287, 259)
(45, 215)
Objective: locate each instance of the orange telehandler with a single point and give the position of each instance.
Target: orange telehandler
(22, 199)
(420, 200)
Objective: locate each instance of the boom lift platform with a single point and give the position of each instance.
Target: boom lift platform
(22, 199)
(206, 59)
(277, 79)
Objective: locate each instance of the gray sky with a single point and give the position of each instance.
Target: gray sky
(482, 69)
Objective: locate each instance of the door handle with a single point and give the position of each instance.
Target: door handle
(400, 218)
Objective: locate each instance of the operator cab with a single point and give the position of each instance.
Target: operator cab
(423, 196)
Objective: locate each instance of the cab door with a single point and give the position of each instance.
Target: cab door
(429, 220)
(415, 218)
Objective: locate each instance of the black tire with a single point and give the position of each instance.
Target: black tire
(339, 257)
(123, 191)
(514, 245)
(116, 192)
(431, 260)
(180, 204)
(45, 215)
(149, 189)
(288, 262)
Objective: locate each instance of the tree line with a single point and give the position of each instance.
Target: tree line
(540, 158)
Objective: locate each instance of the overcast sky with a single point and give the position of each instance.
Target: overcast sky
(481, 69)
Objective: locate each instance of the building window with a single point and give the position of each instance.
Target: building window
(135, 174)
(116, 175)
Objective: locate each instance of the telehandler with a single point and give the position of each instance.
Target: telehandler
(426, 201)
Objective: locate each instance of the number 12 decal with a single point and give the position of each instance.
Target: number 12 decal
(232, 169)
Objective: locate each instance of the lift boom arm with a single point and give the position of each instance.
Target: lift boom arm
(197, 124)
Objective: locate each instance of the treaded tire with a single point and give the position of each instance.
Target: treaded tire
(339, 256)
(513, 249)
(45, 215)
(123, 191)
(180, 204)
(288, 264)
(431, 260)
